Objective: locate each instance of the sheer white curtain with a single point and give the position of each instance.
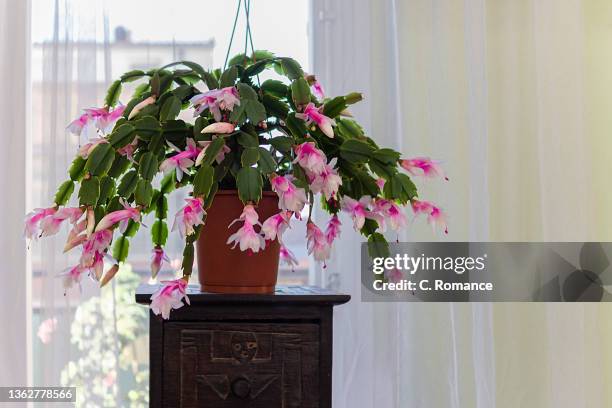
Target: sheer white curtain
(75, 339)
(15, 352)
(512, 97)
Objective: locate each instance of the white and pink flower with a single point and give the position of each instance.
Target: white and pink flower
(50, 225)
(317, 89)
(327, 182)
(423, 166)
(106, 121)
(190, 216)
(290, 197)
(287, 257)
(358, 210)
(246, 237)
(317, 243)
(158, 258)
(333, 229)
(101, 118)
(97, 243)
(129, 149)
(275, 226)
(391, 212)
(435, 216)
(182, 161)
(122, 217)
(216, 100)
(310, 158)
(72, 276)
(76, 236)
(169, 297)
(97, 267)
(312, 114)
(46, 330)
(394, 275)
(32, 230)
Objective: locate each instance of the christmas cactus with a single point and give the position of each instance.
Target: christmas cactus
(280, 135)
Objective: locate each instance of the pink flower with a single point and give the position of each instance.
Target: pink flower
(101, 118)
(435, 216)
(358, 210)
(380, 182)
(216, 100)
(275, 226)
(72, 276)
(158, 258)
(310, 158)
(333, 229)
(327, 182)
(97, 267)
(87, 148)
(181, 161)
(169, 297)
(107, 120)
(396, 216)
(317, 242)
(33, 221)
(140, 106)
(246, 236)
(129, 149)
(98, 243)
(312, 114)
(287, 257)
(190, 216)
(76, 126)
(290, 197)
(120, 216)
(219, 127)
(388, 210)
(75, 236)
(249, 215)
(46, 329)
(423, 166)
(394, 275)
(220, 156)
(50, 225)
(317, 89)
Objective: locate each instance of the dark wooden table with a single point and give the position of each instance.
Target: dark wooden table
(229, 351)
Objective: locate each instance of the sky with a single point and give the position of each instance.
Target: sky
(280, 26)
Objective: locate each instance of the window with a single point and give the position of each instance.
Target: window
(77, 49)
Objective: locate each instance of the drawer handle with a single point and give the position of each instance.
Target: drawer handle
(241, 387)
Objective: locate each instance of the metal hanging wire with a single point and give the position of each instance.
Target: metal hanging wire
(248, 40)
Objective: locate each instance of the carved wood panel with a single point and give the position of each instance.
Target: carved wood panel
(228, 365)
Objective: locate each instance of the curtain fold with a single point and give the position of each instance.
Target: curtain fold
(15, 299)
(513, 98)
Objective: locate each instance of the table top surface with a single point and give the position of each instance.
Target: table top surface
(283, 294)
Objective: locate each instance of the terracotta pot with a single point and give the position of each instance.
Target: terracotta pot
(225, 270)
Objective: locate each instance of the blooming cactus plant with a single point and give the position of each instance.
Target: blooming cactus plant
(280, 135)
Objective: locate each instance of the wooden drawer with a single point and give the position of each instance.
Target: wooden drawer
(229, 365)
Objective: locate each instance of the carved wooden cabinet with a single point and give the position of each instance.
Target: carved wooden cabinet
(230, 351)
